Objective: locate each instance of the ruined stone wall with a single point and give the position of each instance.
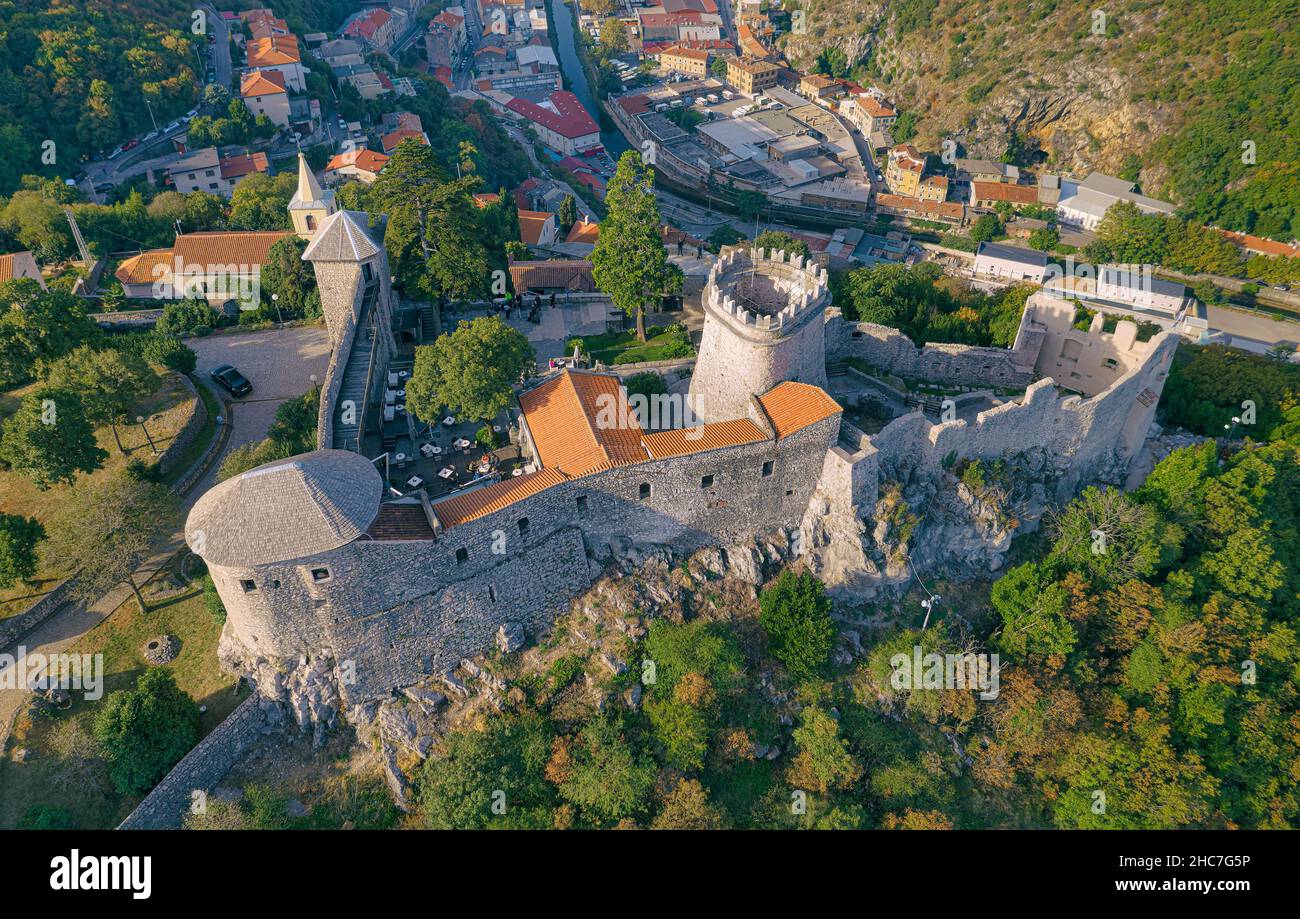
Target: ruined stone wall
(890, 351)
(1081, 440)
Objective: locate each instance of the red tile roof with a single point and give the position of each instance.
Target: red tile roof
(569, 119)
(793, 406)
(472, 505)
(713, 436)
(366, 26)
(391, 141)
(580, 423)
(273, 50)
(367, 160)
(262, 83)
(1001, 191)
(235, 167)
(1261, 244)
(532, 224)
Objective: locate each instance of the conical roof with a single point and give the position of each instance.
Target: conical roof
(309, 195)
(292, 508)
(343, 237)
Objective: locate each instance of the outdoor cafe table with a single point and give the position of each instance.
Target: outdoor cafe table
(446, 472)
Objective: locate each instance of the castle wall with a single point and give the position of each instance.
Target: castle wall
(891, 351)
(403, 609)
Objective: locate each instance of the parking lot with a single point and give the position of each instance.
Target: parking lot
(280, 363)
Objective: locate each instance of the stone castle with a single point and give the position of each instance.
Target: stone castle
(326, 577)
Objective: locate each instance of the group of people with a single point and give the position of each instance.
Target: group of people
(529, 304)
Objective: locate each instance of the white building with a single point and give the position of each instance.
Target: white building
(1133, 284)
(1012, 263)
(1083, 204)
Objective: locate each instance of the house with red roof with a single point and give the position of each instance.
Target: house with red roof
(264, 93)
(377, 27)
(561, 123)
(363, 165)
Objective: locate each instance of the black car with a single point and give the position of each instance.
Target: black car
(231, 380)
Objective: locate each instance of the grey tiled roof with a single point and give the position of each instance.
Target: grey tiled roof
(288, 509)
(343, 237)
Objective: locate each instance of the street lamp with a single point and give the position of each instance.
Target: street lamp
(275, 300)
(1230, 428)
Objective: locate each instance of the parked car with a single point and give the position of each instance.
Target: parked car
(117, 151)
(231, 380)
(172, 126)
(191, 113)
(105, 188)
(130, 145)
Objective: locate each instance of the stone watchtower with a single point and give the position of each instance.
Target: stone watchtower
(763, 325)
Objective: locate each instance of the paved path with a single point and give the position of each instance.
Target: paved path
(280, 363)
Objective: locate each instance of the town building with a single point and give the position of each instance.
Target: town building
(1083, 204)
(903, 171)
(752, 77)
(987, 195)
(1012, 263)
(538, 228)
(278, 54)
(556, 276)
(561, 122)
(265, 93)
(690, 61)
(377, 28)
(18, 265)
(204, 170)
(310, 204)
(363, 165)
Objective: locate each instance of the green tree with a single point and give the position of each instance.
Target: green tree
(261, 202)
(687, 807)
(109, 528)
(109, 381)
(146, 730)
(490, 778)
(986, 228)
(286, 276)
(187, 317)
(823, 761)
(796, 614)
(19, 537)
(606, 777)
(567, 213)
(629, 261)
(471, 370)
(49, 439)
(781, 241)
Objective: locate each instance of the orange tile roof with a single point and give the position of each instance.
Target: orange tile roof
(484, 198)
(875, 108)
(793, 406)
(472, 505)
(261, 83)
(7, 263)
(583, 231)
(221, 248)
(581, 423)
(531, 224)
(392, 140)
(713, 436)
(273, 51)
(1001, 191)
(367, 160)
(139, 269)
(1260, 244)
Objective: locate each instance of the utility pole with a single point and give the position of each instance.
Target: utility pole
(151, 118)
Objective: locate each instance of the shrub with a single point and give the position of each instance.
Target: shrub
(145, 731)
(796, 614)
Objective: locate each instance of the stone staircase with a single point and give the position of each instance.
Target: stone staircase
(428, 323)
(348, 414)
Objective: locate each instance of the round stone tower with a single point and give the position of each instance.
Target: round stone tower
(763, 325)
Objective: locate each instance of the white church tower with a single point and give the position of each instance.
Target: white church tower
(309, 205)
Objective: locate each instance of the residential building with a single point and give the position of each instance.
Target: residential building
(265, 93)
(690, 61)
(362, 78)
(561, 123)
(538, 228)
(279, 54)
(904, 170)
(986, 171)
(818, 86)
(1083, 204)
(377, 27)
(17, 265)
(752, 77)
(392, 140)
(933, 188)
(987, 194)
(1012, 263)
(342, 52)
(1134, 285)
(953, 212)
(203, 170)
(868, 114)
(220, 267)
(363, 165)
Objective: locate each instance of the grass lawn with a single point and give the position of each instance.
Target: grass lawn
(62, 766)
(164, 412)
(661, 344)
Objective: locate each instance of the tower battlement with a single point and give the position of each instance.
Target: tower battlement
(763, 324)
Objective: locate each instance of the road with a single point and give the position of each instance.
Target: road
(280, 364)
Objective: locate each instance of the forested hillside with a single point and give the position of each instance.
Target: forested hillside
(78, 74)
(1167, 92)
